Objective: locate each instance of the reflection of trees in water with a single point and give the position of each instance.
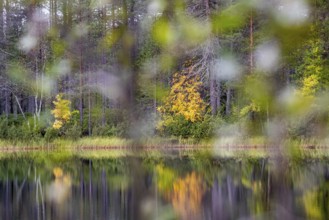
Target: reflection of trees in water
(187, 196)
(184, 193)
(59, 189)
(316, 202)
(92, 192)
(101, 190)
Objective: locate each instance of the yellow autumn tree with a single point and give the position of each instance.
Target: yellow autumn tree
(311, 72)
(309, 86)
(184, 98)
(61, 111)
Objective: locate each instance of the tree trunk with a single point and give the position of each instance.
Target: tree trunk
(81, 70)
(103, 58)
(251, 45)
(213, 93)
(89, 107)
(1, 18)
(218, 94)
(128, 61)
(3, 56)
(31, 104)
(155, 95)
(14, 106)
(207, 10)
(209, 56)
(2, 26)
(7, 104)
(228, 101)
(55, 11)
(229, 89)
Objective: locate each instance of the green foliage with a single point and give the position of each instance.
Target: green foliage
(251, 108)
(257, 101)
(231, 18)
(3, 127)
(105, 122)
(73, 131)
(176, 125)
(180, 127)
(147, 52)
(51, 134)
(205, 128)
(19, 129)
(312, 62)
(108, 131)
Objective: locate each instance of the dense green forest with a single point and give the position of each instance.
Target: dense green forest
(184, 68)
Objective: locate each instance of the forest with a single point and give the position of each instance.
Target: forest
(172, 69)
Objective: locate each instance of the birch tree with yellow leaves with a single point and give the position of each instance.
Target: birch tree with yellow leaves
(61, 112)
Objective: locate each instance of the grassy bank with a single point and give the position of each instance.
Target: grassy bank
(96, 147)
(105, 142)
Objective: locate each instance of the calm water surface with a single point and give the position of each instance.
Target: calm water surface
(195, 187)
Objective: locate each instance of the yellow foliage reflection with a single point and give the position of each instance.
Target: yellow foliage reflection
(311, 207)
(58, 172)
(187, 196)
(166, 178)
(58, 191)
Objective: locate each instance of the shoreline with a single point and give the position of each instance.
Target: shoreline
(180, 151)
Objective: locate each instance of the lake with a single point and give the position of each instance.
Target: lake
(198, 186)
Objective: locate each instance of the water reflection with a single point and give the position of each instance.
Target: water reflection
(179, 188)
(187, 196)
(59, 189)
